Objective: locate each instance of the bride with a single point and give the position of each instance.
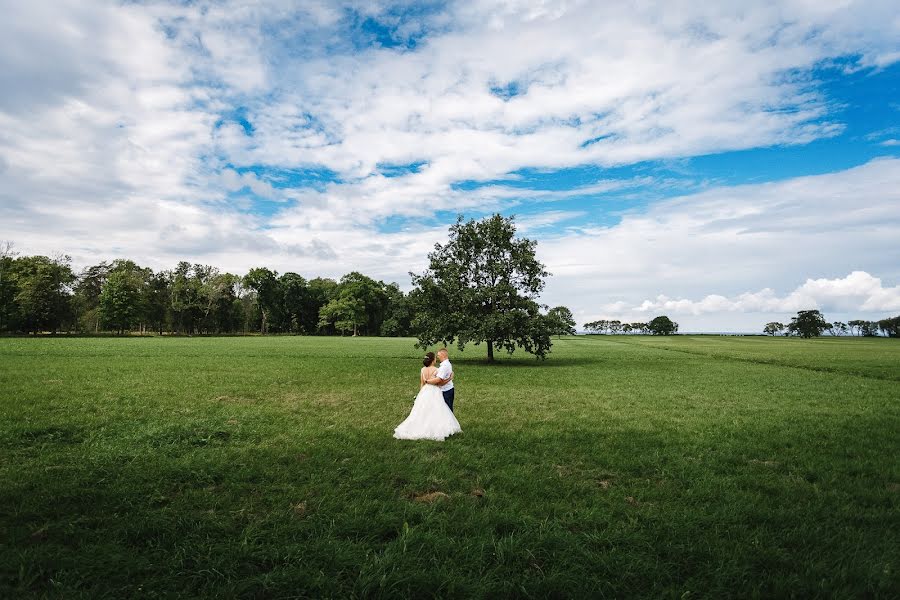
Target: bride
(430, 418)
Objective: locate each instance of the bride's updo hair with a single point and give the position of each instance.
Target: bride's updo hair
(429, 359)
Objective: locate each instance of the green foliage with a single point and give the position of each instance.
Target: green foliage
(869, 328)
(372, 297)
(86, 300)
(120, 300)
(613, 327)
(773, 328)
(8, 309)
(863, 327)
(156, 300)
(634, 467)
(295, 292)
(346, 313)
(561, 321)
(890, 327)
(482, 286)
(838, 328)
(264, 283)
(320, 291)
(38, 293)
(807, 324)
(662, 325)
(398, 317)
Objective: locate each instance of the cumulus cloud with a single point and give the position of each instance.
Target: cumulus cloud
(234, 181)
(718, 240)
(858, 291)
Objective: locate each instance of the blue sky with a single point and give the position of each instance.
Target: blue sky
(725, 164)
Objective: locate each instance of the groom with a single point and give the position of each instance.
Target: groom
(444, 377)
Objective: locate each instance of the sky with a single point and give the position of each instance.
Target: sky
(724, 163)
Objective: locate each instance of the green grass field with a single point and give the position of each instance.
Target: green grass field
(620, 467)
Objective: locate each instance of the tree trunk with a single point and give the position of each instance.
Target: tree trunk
(490, 344)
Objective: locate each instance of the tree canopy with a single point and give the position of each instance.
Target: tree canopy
(773, 328)
(561, 321)
(662, 325)
(482, 286)
(808, 323)
(38, 293)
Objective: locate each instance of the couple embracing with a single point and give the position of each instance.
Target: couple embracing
(431, 417)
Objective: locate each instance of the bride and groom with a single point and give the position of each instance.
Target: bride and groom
(431, 417)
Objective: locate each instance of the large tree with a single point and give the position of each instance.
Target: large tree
(773, 328)
(372, 295)
(264, 284)
(662, 325)
(156, 299)
(120, 300)
(294, 299)
(482, 286)
(346, 312)
(890, 327)
(88, 288)
(561, 321)
(42, 292)
(808, 323)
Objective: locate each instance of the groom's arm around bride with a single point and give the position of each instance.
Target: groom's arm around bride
(444, 377)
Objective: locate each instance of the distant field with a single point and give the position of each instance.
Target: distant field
(622, 466)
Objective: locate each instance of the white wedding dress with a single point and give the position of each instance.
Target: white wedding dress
(430, 418)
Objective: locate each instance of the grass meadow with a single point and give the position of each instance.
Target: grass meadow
(685, 467)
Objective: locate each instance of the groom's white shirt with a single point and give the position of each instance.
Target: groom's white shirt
(445, 371)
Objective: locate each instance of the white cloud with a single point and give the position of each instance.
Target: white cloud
(719, 241)
(858, 291)
(234, 181)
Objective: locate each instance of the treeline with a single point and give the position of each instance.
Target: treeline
(661, 325)
(812, 323)
(39, 293)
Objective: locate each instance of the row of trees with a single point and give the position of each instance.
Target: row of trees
(661, 325)
(811, 323)
(480, 287)
(38, 293)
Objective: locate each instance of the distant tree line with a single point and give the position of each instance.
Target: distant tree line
(811, 323)
(480, 287)
(661, 325)
(39, 293)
